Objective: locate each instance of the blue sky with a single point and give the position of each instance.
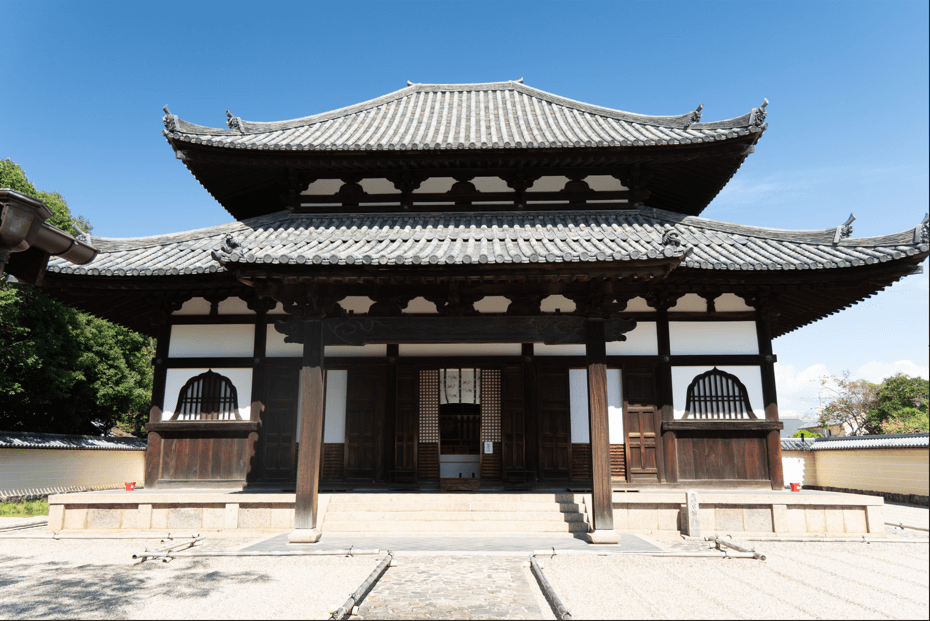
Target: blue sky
(84, 84)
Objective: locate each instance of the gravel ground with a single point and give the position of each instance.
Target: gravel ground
(98, 579)
(798, 581)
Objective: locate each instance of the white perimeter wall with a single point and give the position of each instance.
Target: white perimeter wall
(713, 337)
(578, 396)
(750, 376)
(240, 378)
(40, 469)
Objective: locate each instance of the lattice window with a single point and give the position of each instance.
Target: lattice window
(429, 406)
(490, 405)
(717, 395)
(208, 396)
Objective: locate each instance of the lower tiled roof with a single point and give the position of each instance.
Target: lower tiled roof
(30, 440)
(459, 238)
(845, 443)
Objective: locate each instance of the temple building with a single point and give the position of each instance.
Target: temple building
(465, 286)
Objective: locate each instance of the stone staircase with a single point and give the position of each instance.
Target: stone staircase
(455, 514)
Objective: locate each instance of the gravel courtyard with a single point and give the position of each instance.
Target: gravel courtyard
(98, 579)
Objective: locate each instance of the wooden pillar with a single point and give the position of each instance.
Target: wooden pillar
(160, 375)
(770, 397)
(531, 416)
(389, 437)
(667, 461)
(601, 492)
(253, 460)
(310, 411)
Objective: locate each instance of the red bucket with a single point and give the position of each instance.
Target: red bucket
(795, 487)
(130, 486)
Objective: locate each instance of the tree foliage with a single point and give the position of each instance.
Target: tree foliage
(804, 433)
(900, 406)
(61, 370)
(846, 402)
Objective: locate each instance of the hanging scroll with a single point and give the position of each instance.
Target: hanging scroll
(460, 386)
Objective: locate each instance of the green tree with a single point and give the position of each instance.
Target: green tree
(901, 406)
(804, 433)
(845, 402)
(61, 370)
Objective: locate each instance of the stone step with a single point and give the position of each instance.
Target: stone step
(566, 497)
(337, 506)
(457, 526)
(451, 516)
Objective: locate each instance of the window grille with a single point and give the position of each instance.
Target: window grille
(208, 396)
(717, 395)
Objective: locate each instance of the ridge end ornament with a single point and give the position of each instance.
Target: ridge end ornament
(844, 230)
(694, 116)
(922, 230)
(224, 254)
(757, 117)
(171, 121)
(233, 122)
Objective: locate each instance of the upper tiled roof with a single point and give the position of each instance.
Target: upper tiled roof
(466, 116)
(458, 238)
(843, 443)
(30, 440)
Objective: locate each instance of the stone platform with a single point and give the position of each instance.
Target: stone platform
(484, 514)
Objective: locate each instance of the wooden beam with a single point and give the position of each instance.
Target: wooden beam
(601, 492)
(310, 411)
(666, 455)
(153, 449)
(770, 397)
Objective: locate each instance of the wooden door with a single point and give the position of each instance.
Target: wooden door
(278, 435)
(365, 397)
(407, 420)
(554, 423)
(513, 418)
(639, 407)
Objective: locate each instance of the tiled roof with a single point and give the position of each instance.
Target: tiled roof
(796, 444)
(29, 440)
(466, 116)
(492, 238)
(844, 443)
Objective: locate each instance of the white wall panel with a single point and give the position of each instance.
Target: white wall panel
(233, 306)
(492, 304)
(358, 304)
(378, 186)
(224, 341)
(421, 306)
(541, 349)
(614, 407)
(690, 302)
(639, 305)
(560, 303)
(578, 393)
(642, 341)
(194, 306)
(240, 378)
(349, 351)
(275, 347)
(751, 377)
(334, 426)
(461, 349)
(731, 303)
(713, 337)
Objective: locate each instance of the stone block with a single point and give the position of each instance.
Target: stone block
(690, 512)
(874, 517)
(185, 517)
(159, 518)
(76, 518)
(643, 517)
(758, 519)
(145, 516)
(780, 519)
(304, 535)
(131, 519)
(815, 520)
(231, 517)
(797, 522)
(104, 519)
(668, 517)
(621, 517)
(729, 519)
(56, 517)
(854, 521)
(833, 516)
(602, 537)
(254, 517)
(282, 518)
(214, 518)
(708, 517)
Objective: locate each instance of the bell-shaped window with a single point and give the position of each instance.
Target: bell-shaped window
(208, 396)
(717, 395)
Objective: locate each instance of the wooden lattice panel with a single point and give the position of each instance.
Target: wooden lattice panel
(429, 406)
(428, 461)
(333, 458)
(618, 462)
(490, 405)
(491, 463)
(581, 462)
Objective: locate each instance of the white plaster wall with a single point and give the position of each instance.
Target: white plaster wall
(614, 407)
(435, 185)
(578, 398)
(492, 304)
(642, 341)
(751, 377)
(323, 187)
(541, 349)
(639, 305)
(604, 183)
(420, 306)
(549, 184)
(713, 337)
(731, 303)
(194, 306)
(28, 470)
(799, 467)
(378, 186)
(560, 303)
(690, 303)
(349, 351)
(275, 347)
(334, 425)
(233, 306)
(491, 184)
(240, 378)
(224, 341)
(358, 304)
(461, 349)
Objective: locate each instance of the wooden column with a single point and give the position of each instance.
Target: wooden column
(310, 411)
(668, 460)
(770, 397)
(153, 450)
(596, 360)
(389, 435)
(531, 416)
(253, 460)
